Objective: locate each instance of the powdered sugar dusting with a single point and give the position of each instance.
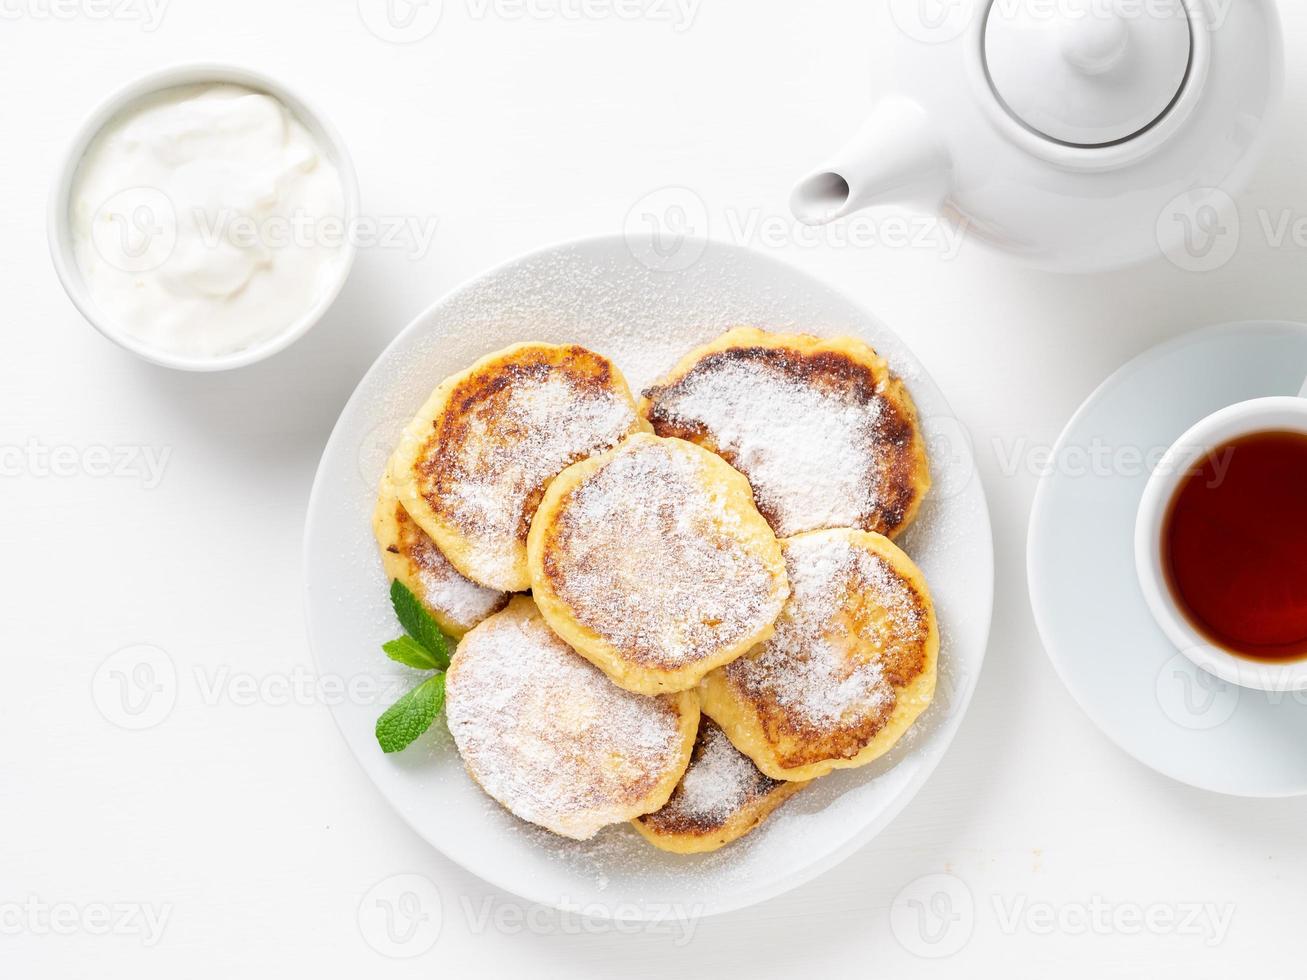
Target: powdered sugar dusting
(720, 782)
(548, 735)
(516, 442)
(648, 553)
(807, 449)
(829, 662)
(442, 587)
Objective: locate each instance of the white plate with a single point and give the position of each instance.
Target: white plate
(644, 314)
(1091, 614)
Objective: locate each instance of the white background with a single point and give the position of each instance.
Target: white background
(249, 824)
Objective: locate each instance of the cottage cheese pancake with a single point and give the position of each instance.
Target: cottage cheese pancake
(721, 797)
(827, 436)
(409, 555)
(653, 562)
(850, 667)
(546, 734)
(472, 466)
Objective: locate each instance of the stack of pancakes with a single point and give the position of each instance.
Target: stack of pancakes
(716, 613)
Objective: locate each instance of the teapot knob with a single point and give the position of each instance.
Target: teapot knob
(1090, 72)
(1096, 44)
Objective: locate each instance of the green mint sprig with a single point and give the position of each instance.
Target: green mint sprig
(410, 716)
(420, 624)
(423, 647)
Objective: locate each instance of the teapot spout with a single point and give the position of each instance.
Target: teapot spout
(894, 158)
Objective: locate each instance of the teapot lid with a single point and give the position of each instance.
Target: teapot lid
(1087, 72)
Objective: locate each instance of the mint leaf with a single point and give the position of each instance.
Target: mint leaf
(410, 716)
(419, 624)
(410, 653)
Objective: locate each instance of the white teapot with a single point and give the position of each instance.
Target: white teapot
(1076, 134)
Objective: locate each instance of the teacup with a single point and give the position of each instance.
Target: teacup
(1197, 448)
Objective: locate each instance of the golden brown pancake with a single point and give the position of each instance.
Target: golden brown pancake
(545, 733)
(411, 557)
(827, 436)
(850, 667)
(652, 561)
(472, 466)
(721, 797)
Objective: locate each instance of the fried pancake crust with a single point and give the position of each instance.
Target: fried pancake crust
(410, 556)
(721, 797)
(473, 464)
(826, 434)
(851, 666)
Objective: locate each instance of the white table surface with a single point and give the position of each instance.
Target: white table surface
(247, 827)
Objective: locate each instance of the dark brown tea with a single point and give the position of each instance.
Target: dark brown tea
(1234, 546)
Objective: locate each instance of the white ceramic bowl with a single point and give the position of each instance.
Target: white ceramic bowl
(60, 232)
(1283, 413)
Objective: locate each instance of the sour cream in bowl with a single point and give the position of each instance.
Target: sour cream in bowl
(204, 218)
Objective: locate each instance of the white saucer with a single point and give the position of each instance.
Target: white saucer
(1091, 614)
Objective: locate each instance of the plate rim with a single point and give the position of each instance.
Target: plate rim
(929, 762)
(1034, 583)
